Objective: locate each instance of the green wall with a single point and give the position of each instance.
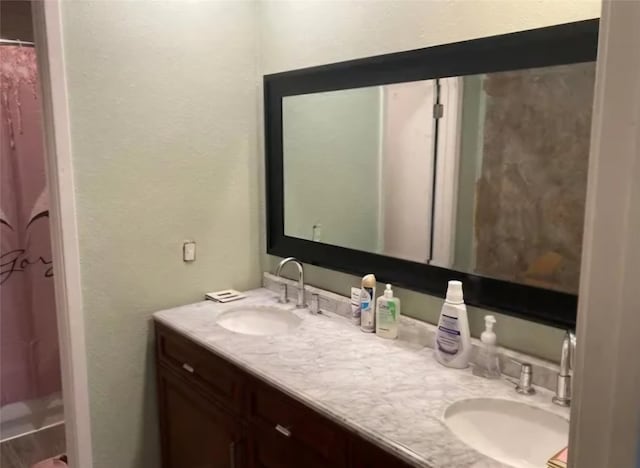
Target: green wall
(331, 165)
(163, 127)
(471, 140)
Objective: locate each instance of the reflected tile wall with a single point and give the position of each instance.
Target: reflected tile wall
(530, 196)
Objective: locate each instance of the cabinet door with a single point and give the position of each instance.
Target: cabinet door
(195, 432)
(269, 449)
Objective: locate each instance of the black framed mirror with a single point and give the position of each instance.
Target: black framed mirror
(461, 161)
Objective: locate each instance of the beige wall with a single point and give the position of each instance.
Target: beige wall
(163, 98)
(297, 34)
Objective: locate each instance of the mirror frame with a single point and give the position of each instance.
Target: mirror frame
(555, 45)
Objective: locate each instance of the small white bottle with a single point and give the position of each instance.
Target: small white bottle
(453, 339)
(387, 314)
(487, 364)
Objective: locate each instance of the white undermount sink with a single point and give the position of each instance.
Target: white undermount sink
(510, 432)
(259, 320)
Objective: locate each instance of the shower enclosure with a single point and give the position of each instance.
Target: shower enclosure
(31, 416)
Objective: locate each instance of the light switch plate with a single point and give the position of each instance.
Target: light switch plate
(189, 251)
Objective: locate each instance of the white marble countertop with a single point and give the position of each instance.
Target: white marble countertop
(391, 392)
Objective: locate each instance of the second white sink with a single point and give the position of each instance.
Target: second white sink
(513, 433)
(259, 320)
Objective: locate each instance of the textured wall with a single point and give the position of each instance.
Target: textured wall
(530, 197)
(163, 101)
(298, 34)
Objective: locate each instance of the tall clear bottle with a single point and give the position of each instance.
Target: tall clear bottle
(487, 364)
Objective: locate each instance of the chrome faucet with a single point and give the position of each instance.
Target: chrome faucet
(567, 359)
(301, 304)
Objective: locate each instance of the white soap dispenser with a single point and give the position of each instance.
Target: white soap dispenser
(487, 364)
(453, 339)
(387, 314)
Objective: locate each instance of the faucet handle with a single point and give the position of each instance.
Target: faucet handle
(314, 307)
(283, 294)
(525, 386)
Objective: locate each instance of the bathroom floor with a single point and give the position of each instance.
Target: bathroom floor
(24, 451)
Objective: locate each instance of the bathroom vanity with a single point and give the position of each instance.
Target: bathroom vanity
(322, 394)
(463, 161)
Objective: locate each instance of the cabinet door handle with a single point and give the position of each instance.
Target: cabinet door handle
(232, 455)
(188, 368)
(283, 430)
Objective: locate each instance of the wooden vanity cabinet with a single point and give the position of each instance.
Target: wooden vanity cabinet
(214, 415)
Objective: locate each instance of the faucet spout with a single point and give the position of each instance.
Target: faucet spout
(567, 361)
(301, 303)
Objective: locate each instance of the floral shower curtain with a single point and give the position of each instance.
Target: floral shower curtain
(29, 357)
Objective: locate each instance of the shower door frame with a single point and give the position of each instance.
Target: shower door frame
(48, 33)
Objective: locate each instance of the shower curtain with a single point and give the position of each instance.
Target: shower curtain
(29, 357)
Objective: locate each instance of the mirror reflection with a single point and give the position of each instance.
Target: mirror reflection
(484, 173)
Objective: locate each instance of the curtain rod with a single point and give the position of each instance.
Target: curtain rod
(16, 43)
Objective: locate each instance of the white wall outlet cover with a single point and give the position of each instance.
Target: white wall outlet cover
(189, 251)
